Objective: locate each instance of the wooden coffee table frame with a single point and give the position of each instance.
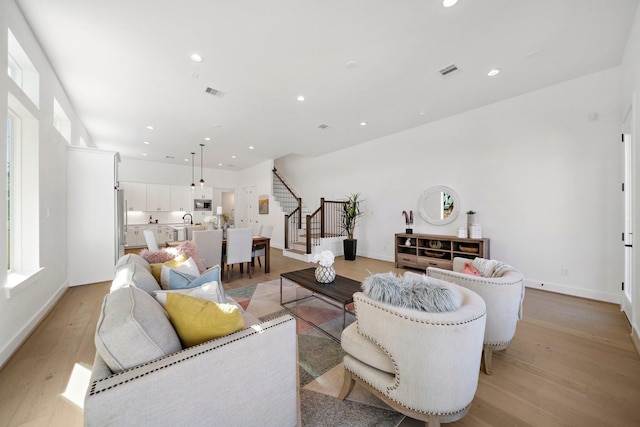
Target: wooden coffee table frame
(341, 291)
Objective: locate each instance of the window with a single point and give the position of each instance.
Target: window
(23, 225)
(22, 71)
(61, 121)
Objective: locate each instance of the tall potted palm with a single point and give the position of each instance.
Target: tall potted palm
(350, 214)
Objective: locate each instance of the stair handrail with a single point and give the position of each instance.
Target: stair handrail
(293, 195)
(329, 222)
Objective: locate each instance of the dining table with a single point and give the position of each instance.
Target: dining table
(257, 240)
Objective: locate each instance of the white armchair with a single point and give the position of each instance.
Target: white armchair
(503, 296)
(422, 364)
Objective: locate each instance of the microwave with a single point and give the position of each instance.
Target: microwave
(201, 204)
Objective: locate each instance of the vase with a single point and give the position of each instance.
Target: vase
(469, 223)
(325, 274)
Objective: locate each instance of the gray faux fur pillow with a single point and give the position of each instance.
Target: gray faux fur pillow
(418, 292)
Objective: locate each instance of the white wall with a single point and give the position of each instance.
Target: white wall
(543, 179)
(20, 313)
(630, 94)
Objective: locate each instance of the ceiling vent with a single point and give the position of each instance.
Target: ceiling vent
(323, 126)
(214, 92)
(448, 70)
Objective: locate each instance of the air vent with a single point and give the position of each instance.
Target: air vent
(323, 126)
(448, 69)
(214, 92)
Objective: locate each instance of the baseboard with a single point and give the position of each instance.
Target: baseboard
(635, 339)
(14, 343)
(576, 292)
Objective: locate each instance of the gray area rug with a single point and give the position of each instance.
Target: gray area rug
(320, 368)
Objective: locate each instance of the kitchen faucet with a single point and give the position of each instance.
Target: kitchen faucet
(190, 217)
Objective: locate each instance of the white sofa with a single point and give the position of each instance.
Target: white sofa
(247, 378)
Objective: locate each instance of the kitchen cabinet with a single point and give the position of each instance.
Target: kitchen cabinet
(135, 235)
(158, 198)
(203, 192)
(181, 199)
(135, 195)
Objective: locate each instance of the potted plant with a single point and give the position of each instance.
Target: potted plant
(350, 214)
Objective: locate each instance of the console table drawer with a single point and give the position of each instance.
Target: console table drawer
(406, 258)
(438, 263)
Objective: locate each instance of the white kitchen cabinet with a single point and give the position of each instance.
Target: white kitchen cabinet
(158, 197)
(203, 192)
(181, 198)
(135, 195)
(135, 235)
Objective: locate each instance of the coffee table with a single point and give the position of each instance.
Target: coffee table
(338, 293)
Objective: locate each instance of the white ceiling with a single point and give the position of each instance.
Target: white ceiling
(126, 64)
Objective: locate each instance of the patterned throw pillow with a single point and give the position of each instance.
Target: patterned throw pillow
(208, 291)
(470, 269)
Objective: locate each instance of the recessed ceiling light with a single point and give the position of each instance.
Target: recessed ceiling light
(493, 72)
(449, 3)
(207, 139)
(219, 164)
(351, 65)
(144, 154)
(196, 58)
(251, 147)
(150, 127)
(233, 157)
(186, 160)
(422, 113)
(363, 123)
(300, 98)
(146, 142)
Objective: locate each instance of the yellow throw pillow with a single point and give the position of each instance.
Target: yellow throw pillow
(197, 320)
(156, 269)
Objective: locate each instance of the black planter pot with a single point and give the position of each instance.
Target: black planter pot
(350, 246)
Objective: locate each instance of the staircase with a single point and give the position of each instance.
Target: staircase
(306, 232)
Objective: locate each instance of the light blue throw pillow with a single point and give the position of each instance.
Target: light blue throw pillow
(180, 280)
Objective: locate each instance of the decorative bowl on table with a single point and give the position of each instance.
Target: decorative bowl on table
(434, 254)
(435, 244)
(469, 249)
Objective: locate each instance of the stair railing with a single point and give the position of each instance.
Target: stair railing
(293, 219)
(326, 221)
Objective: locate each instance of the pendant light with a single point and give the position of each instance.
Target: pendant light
(193, 185)
(201, 179)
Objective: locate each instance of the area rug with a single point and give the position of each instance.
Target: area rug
(320, 357)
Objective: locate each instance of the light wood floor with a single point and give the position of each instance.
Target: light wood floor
(571, 363)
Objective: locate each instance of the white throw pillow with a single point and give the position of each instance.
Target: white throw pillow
(188, 267)
(208, 291)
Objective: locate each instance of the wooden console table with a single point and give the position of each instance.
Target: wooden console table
(433, 250)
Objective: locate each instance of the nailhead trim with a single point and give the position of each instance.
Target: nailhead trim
(95, 384)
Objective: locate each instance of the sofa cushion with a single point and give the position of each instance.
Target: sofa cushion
(133, 329)
(470, 269)
(129, 258)
(134, 274)
(197, 320)
(178, 280)
(418, 292)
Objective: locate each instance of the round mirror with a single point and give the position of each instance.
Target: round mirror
(439, 205)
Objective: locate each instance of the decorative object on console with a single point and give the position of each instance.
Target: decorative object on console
(408, 219)
(470, 217)
(350, 214)
(475, 231)
(462, 232)
(325, 273)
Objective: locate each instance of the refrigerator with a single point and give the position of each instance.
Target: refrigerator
(121, 224)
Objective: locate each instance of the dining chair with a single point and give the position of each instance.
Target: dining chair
(209, 243)
(260, 250)
(239, 249)
(150, 238)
